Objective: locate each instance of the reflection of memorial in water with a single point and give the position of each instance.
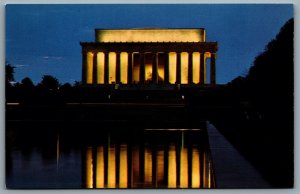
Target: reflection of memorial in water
(150, 164)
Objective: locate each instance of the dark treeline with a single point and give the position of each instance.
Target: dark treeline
(50, 92)
(261, 123)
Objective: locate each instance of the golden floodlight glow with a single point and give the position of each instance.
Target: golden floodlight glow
(136, 67)
(184, 168)
(148, 71)
(89, 168)
(160, 167)
(207, 55)
(112, 67)
(123, 175)
(204, 171)
(160, 68)
(111, 177)
(148, 166)
(89, 68)
(172, 67)
(196, 67)
(100, 68)
(100, 168)
(124, 67)
(184, 67)
(195, 168)
(143, 45)
(172, 167)
(150, 35)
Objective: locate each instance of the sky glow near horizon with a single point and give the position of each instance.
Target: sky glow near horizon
(44, 39)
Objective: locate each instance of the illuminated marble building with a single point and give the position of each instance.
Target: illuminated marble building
(165, 56)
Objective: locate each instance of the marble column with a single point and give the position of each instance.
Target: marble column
(106, 68)
(190, 68)
(95, 68)
(178, 68)
(202, 64)
(213, 69)
(129, 71)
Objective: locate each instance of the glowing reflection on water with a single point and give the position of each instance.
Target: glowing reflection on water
(100, 167)
(149, 165)
(172, 167)
(89, 167)
(123, 175)
(195, 168)
(153, 159)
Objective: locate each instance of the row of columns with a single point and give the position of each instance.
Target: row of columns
(154, 68)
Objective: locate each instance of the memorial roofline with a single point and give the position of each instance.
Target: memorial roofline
(150, 28)
(212, 42)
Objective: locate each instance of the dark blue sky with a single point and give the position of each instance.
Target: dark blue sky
(44, 39)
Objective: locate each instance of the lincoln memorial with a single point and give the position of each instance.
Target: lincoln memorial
(157, 56)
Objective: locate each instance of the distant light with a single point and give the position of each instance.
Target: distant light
(182, 97)
(12, 103)
(172, 129)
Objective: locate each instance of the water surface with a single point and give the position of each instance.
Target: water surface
(49, 157)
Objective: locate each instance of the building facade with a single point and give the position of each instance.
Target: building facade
(157, 56)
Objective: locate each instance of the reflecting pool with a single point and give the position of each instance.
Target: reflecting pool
(46, 157)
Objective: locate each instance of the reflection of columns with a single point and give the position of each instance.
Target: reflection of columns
(84, 64)
(172, 167)
(201, 168)
(154, 166)
(190, 167)
(118, 67)
(178, 165)
(183, 167)
(95, 67)
(106, 66)
(129, 72)
(190, 68)
(94, 161)
(142, 67)
(202, 64)
(195, 162)
(142, 162)
(178, 68)
(213, 68)
(123, 170)
(129, 166)
(89, 167)
(100, 167)
(166, 68)
(111, 167)
(166, 164)
(117, 158)
(154, 68)
(105, 153)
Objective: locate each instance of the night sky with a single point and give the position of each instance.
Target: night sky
(44, 39)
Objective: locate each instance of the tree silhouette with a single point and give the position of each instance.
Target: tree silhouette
(9, 73)
(265, 124)
(27, 83)
(49, 82)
